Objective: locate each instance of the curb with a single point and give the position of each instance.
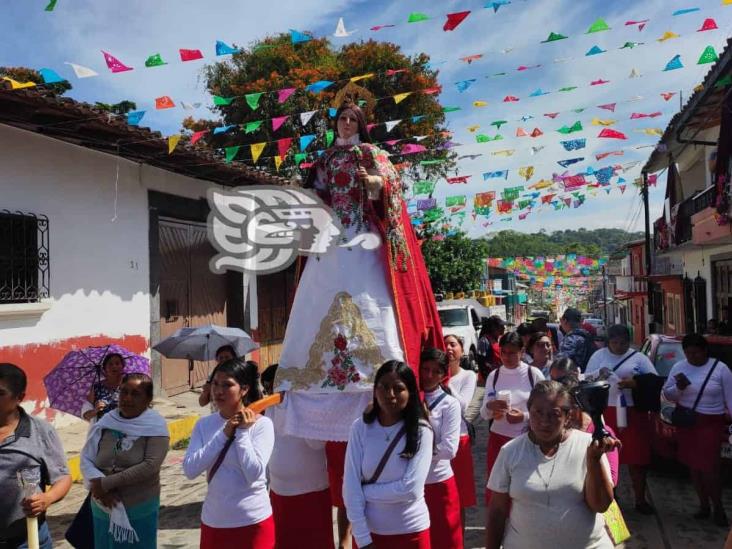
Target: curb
(179, 429)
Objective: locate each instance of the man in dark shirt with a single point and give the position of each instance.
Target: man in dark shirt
(577, 344)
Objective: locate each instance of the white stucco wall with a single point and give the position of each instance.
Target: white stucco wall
(698, 261)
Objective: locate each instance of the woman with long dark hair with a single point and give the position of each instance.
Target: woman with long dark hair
(440, 491)
(387, 462)
(233, 447)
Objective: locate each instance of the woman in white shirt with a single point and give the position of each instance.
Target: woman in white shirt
(386, 505)
(554, 481)
(513, 381)
(440, 490)
(462, 384)
(619, 364)
(703, 386)
(233, 447)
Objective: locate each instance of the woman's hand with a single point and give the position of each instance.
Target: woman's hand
(499, 406)
(36, 504)
(515, 416)
(233, 423)
(682, 382)
(599, 447)
(363, 175)
(100, 406)
(249, 418)
(108, 499)
(627, 383)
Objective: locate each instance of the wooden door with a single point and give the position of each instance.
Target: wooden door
(190, 295)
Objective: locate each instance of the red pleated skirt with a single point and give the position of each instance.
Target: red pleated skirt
(417, 540)
(255, 536)
(495, 443)
(636, 437)
(335, 453)
(699, 446)
(303, 517)
(443, 503)
(462, 466)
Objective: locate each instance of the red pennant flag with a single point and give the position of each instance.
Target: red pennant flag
(709, 24)
(608, 107)
(198, 135)
(611, 134)
(668, 95)
(536, 133)
(547, 198)
(552, 114)
(190, 55)
(637, 115)
(567, 201)
(283, 145)
(510, 99)
(470, 58)
(114, 64)
(164, 102)
(454, 19)
(622, 189)
(460, 179)
(431, 91)
(600, 156)
(392, 72)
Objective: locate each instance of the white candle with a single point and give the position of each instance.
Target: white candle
(31, 524)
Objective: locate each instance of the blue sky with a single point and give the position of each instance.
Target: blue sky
(132, 30)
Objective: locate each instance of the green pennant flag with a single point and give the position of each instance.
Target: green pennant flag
(579, 110)
(253, 100)
(450, 109)
(51, 5)
(424, 187)
(523, 204)
(432, 215)
(567, 89)
(222, 101)
(630, 45)
(416, 17)
(431, 162)
(154, 61)
(499, 123)
(722, 82)
(458, 200)
(251, 127)
(598, 26)
(329, 136)
(482, 138)
(231, 152)
(300, 157)
(708, 56)
(553, 37)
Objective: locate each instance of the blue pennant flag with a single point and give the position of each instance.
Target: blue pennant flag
(417, 118)
(134, 117)
(569, 162)
(463, 85)
(298, 37)
(497, 4)
(224, 49)
(674, 64)
(595, 50)
(537, 93)
(495, 175)
(222, 129)
(319, 86)
(305, 140)
(604, 175)
(685, 11)
(332, 111)
(574, 144)
(50, 76)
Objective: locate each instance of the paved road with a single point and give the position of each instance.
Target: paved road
(672, 495)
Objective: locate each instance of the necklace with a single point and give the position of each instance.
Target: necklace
(546, 481)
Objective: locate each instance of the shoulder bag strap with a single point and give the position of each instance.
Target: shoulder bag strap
(619, 364)
(531, 377)
(495, 378)
(219, 459)
(385, 458)
(436, 401)
(704, 385)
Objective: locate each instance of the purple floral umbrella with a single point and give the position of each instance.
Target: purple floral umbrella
(68, 384)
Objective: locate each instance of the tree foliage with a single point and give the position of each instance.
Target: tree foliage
(591, 243)
(455, 263)
(24, 74)
(123, 107)
(275, 63)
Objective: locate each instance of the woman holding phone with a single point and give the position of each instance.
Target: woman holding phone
(233, 447)
(701, 387)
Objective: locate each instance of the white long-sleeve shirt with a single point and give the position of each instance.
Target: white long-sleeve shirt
(445, 419)
(237, 494)
(463, 386)
(717, 394)
(517, 381)
(297, 465)
(395, 503)
(637, 364)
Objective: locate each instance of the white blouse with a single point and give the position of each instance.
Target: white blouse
(637, 364)
(395, 503)
(717, 396)
(445, 419)
(518, 382)
(463, 386)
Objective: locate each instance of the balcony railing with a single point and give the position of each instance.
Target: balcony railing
(665, 236)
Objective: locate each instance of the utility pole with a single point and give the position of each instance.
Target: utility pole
(604, 293)
(649, 290)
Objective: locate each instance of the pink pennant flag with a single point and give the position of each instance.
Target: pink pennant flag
(637, 115)
(431, 91)
(600, 156)
(278, 121)
(283, 145)
(611, 134)
(525, 68)
(551, 114)
(392, 72)
(114, 64)
(608, 107)
(510, 99)
(379, 27)
(284, 94)
(413, 148)
(622, 189)
(392, 142)
(459, 179)
(520, 132)
(198, 135)
(523, 215)
(370, 127)
(190, 55)
(709, 24)
(599, 82)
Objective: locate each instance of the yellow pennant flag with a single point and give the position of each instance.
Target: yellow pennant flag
(278, 162)
(14, 84)
(257, 149)
(599, 122)
(398, 98)
(504, 152)
(173, 142)
(651, 131)
(727, 2)
(362, 77)
(473, 129)
(668, 35)
(526, 172)
(541, 184)
(480, 103)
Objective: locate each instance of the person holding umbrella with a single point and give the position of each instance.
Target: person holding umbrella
(104, 394)
(30, 444)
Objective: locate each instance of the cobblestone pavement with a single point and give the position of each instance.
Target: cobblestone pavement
(672, 494)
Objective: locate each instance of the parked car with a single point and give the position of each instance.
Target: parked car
(462, 317)
(665, 351)
(598, 324)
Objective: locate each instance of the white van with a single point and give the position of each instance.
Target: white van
(462, 317)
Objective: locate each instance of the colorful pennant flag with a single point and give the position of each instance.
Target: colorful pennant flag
(190, 55)
(114, 64)
(341, 31)
(391, 124)
(222, 101)
(305, 140)
(284, 94)
(278, 121)
(674, 64)
(283, 145)
(463, 85)
(480, 103)
(601, 122)
(527, 172)
(553, 37)
(155, 60)
(574, 144)
(708, 56)
(595, 50)
(495, 175)
(709, 24)
(81, 71)
(398, 98)
(668, 35)
(224, 49)
(417, 17)
(173, 142)
(319, 86)
(51, 5)
(454, 19)
(252, 100)
(164, 102)
(223, 129)
(231, 153)
(134, 117)
(15, 85)
(50, 76)
(611, 134)
(598, 26)
(297, 37)
(538, 92)
(256, 150)
(536, 132)
(569, 161)
(684, 11)
(251, 127)
(576, 127)
(197, 136)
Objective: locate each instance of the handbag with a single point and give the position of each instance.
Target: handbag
(81, 531)
(686, 417)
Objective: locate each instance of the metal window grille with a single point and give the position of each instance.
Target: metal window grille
(25, 275)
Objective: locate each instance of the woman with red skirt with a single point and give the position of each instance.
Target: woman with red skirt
(387, 462)
(462, 385)
(619, 364)
(703, 386)
(440, 489)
